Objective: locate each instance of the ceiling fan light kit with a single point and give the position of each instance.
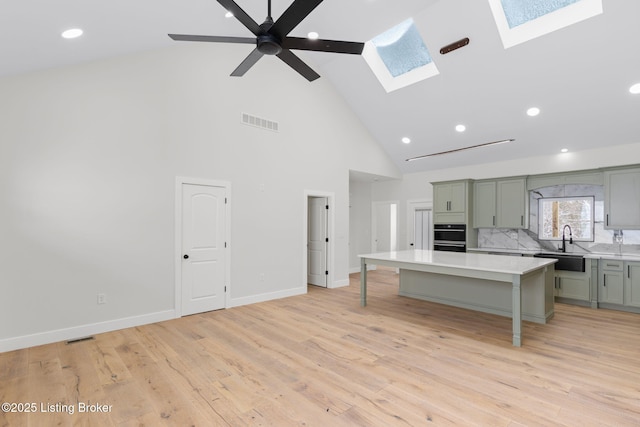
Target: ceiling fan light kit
(271, 38)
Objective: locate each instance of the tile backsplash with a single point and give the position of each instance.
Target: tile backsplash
(604, 240)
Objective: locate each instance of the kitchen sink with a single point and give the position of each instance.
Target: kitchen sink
(566, 262)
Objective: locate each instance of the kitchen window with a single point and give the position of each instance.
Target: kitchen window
(576, 212)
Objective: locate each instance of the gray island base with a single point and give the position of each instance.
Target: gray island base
(516, 287)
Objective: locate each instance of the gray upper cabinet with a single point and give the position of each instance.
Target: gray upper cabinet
(500, 203)
(512, 203)
(622, 199)
(451, 202)
(484, 204)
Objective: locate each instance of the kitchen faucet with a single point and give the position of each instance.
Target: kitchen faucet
(564, 243)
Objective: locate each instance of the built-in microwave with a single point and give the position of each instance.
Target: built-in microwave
(450, 237)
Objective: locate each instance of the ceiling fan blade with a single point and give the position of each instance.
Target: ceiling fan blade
(320, 45)
(248, 62)
(215, 39)
(296, 63)
(293, 16)
(242, 16)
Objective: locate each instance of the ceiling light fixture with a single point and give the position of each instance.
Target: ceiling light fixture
(564, 150)
(313, 35)
(461, 128)
(635, 89)
(406, 140)
(486, 144)
(228, 15)
(72, 33)
(533, 111)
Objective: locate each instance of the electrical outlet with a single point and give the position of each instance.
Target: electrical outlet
(102, 298)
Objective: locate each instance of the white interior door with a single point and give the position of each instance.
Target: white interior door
(317, 241)
(422, 229)
(203, 248)
(419, 224)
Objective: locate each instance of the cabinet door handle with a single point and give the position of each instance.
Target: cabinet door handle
(522, 220)
(494, 220)
(604, 281)
(629, 271)
(607, 219)
(560, 282)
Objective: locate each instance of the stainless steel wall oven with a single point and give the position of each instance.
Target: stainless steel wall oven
(450, 237)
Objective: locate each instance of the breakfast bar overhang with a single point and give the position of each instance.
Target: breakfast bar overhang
(473, 281)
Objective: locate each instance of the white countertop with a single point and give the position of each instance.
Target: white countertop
(464, 260)
(590, 255)
(606, 255)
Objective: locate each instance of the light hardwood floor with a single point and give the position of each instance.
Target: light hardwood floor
(322, 360)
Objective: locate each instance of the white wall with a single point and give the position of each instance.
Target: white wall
(88, 159)
(417, 185)
(359, 222)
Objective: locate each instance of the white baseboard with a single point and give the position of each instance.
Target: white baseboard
(340, 283)
(253, 299)
(75, 332)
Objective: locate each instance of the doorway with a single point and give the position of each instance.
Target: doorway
(318, 239)
(384, 233)
(202, 241)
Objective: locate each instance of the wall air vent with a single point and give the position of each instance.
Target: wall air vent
(259, 122)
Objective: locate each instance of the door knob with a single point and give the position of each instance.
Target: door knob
(186, 256)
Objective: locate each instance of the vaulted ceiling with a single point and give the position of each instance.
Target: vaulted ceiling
(578, 76)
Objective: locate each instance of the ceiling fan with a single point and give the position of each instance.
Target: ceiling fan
(271, 37)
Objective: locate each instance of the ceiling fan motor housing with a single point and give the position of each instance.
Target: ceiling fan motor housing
(268, 44)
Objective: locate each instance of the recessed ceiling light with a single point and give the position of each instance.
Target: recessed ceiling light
(406, 140)
(228, 15)
(313, 35)
(461, 128)
(72, 33)
(564, 150)
(533, 111)
(635, 89)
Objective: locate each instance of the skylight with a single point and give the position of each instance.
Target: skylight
(399, 57)
(401, 48)
(518, 12)
(519, 21)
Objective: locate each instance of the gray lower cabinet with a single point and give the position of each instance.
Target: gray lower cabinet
(572, 285)
(632, 283)
(611, 282)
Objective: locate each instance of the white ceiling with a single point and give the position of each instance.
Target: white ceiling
(578, 76)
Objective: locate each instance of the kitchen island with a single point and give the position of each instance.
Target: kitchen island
(473, 281)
